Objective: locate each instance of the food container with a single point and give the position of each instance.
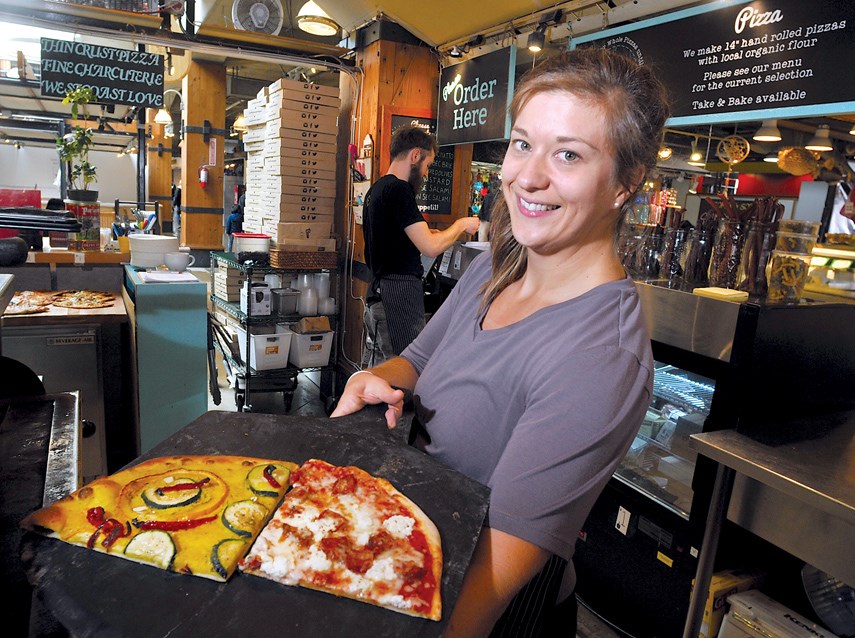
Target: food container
(755, 256)
(148, 251)
(251, 243)
(800, 226)
(727, 253)
(696, 268)
(795, 242)
(786, 275)
(283, 301)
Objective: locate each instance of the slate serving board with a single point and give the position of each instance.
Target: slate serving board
(94, 594)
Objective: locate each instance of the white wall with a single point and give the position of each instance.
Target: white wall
(38, 167)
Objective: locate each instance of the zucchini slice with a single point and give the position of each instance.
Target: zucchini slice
(166, 500)
(226, 554)
(154, 547)
(258, 479)
(244, 517)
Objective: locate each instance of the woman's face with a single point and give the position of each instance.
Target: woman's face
(557, 175)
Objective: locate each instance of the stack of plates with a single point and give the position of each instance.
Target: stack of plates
(147, 251)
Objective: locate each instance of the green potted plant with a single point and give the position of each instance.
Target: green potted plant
(73, 147)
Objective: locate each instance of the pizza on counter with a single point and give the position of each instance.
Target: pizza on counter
(29, 302)
(191, 514)
(83, 299)
(343, 531)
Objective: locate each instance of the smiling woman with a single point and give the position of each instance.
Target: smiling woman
(556, 307)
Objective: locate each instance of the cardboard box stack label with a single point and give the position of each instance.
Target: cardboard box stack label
(291, 165)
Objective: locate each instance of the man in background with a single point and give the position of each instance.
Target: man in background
(396, 234)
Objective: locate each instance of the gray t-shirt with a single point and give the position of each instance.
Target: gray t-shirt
(543, 410)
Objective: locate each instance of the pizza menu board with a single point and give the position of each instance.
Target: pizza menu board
(747, 60)
(435, 196)
(116, 76)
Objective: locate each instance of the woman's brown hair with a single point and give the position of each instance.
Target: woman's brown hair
(635, 105)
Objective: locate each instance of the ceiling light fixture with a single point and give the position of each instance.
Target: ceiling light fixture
(768, 132)
(536, 40)
(312, 19)
(821, 141)
(771, 157)
(665, 152)
(852, 130)
(696, 158)
(163, 116)
(456, 52)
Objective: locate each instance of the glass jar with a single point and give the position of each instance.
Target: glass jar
(673, 256)
(759, 244)
(697, 264)
(648, 253)
(727, 253)
(629, 241)
(787, 274)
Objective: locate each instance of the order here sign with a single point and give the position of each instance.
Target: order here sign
(474, 97)
(116, 76)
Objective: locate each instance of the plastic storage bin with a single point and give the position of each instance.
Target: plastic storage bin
(269, 351)
(311, 350)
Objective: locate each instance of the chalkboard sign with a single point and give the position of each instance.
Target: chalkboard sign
(116, 76)
(474, 96)
(747, 60)
(435, 196)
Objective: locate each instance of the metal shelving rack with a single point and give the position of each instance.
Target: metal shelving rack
(280, 379)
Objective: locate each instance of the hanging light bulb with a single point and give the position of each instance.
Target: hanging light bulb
(162, 117)
(821, 141)
(852, 130)
(696, 158)
(768, 132)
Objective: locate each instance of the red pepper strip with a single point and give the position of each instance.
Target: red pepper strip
(173, 526)
(91, 542)
(182, 486)
(268, 474)
(114, 530)
(95, 515)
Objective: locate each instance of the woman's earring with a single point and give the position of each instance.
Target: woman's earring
(618, 203)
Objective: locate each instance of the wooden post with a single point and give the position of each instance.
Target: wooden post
(204, 91)
(160, 170)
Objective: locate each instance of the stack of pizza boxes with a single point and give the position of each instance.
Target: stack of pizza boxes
(290, 166)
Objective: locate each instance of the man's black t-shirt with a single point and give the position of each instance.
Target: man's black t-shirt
(390, 206)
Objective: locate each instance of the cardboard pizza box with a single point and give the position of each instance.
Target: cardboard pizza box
(284, 84)
(303, 230)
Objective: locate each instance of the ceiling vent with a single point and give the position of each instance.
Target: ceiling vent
(260, 16)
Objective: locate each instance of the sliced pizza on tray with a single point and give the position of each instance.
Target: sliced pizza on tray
(191, 514)
(343, 531)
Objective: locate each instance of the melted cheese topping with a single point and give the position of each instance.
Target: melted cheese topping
(355, 543)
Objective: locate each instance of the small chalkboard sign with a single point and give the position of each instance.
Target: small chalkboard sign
(116, 76)
(435, 196)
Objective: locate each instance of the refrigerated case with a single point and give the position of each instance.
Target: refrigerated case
(776, 373)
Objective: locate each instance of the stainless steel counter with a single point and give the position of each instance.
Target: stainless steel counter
(818, 472)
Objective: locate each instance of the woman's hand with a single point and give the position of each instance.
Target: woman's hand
(366, 388)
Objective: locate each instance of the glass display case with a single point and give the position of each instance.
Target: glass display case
(660, 462)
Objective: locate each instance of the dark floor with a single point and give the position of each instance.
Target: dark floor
(307, 402)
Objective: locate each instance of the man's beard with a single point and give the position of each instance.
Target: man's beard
(415, 179)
